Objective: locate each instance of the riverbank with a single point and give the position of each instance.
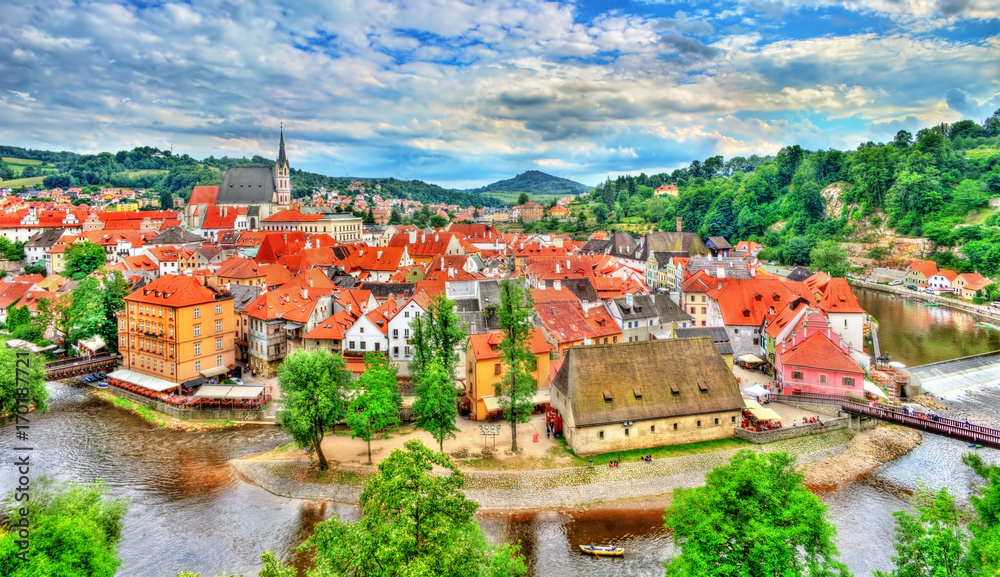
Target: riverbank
(157, 418)
(632, 484)
(980, 311)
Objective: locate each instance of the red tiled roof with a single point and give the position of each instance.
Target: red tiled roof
(11, 292)
(487, 345)
(928, 268)
(333, 328)
(818, 352)
(292, 216)
(173, 291)
(747, 301)
(204, 195)
(839, 298)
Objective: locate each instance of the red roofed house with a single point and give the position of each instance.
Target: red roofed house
(530, 211)
(280, 318)
(817, 362)
(847, 318)
(942, 280)
(742, 304)
(967, 284)
(485, 369)
(177, 330)
(666, 189)
(919, 272)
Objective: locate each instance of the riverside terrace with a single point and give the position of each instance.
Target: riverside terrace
(207, 401)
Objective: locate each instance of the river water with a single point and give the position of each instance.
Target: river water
(190, 511)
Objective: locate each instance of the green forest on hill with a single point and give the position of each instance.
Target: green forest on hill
(935, 184)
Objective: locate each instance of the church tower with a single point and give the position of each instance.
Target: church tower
(282, 178)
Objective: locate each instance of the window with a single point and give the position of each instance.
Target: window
(702, 310)
(650, 322)
(218, 344)
(395, 351)
(218, 326)
(350, 345)
(121, 324)
(600, 435)
(395, 333)
(614, 339)
(364, 345)
(797, 375)
(197, 330)
(703, 298)
(123, 342)
(848, 381)
(699, 423)
(197, 313)
(132, 308)
(822, 379)
(171, 315)
(171, 368)
(406, 314)
(171, 332)
(197, 366)
(626, 432)
(406, 351)
(406, 333)
(218, 309)
(218, 361)
(716, 421)
(362, 330)
(732, 419)
(197, 348)
(652, 428)
(171, 351)
(756, 341)
(675, 426)
(497, 368)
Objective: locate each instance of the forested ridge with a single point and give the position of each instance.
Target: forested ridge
(935, 184)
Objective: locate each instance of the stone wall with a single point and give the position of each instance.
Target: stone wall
(186, 414)
(651, 433)
(814, 409)
(791, 432)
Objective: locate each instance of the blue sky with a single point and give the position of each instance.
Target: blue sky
(466, 92)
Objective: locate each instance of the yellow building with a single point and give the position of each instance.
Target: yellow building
(177, 330)
(485, 369)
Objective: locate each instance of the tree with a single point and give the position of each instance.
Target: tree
(931, 541)
(75, 531)
(112, 300)
(313, 386)
(38, 268)
(600, 213)
(436, 334)
(753, 517)
(984, 547)
(376, 404)
(436, 407)
(437, 221)
(828, 256)
(166, 200)
(369, 217)
(85, 311)
(83, 258)
(413, 523)
(273, 567)
(395, 217)
(28, 389)
(796, 251)
(517, 385)
(523, 198)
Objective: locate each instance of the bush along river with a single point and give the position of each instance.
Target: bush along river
(191, 511)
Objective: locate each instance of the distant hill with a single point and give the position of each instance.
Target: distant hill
(535, 182)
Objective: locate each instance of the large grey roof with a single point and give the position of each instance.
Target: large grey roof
(718, 335)
(243, 295)
(247, 185)
(175, 236)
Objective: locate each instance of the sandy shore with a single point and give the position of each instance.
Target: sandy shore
(830, 460)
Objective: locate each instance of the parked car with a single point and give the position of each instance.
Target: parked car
(896, 283)
(912, 287)
(930, 291)
(237, 382)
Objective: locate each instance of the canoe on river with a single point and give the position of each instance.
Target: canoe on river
(602, 551)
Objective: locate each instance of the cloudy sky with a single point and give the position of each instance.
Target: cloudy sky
(465, 92)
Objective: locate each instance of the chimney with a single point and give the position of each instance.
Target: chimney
(721, 271)
(309, 280)
(413, 237)
(628, 300)
(348, 309)
(378, 255)
(557, 268)
(263, 288)
(442, 263)
(557, 284)
(305, 293)
(437, 237)
(229, 286)
(652, 298)
(423, 238)
(678, 224)
(585, 305)
(451, 272)
(753, 273)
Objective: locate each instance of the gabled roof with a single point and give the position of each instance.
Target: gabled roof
(948, 274)
(747, 302)
(640, 379)
(487, 345)
(247, 185)
(839, 298)
(11, 292)
(928, 268)
(818, 352)
(333, 328)
(176, 235)
(204, 195)
(974, 280)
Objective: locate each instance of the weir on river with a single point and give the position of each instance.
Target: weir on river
(970, 371)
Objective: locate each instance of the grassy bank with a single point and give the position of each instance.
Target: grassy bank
(159, 419)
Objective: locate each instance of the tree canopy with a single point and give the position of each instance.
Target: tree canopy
(376, 402)
(753, 518)
(75, 531)
(83, 258)
(313, 396)
(13, 392)
(436, 407)
(516, 385)
(413, 523)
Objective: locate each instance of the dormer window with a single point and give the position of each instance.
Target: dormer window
(607, 396)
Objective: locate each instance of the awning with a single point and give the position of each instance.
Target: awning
(144, 381)
(748, 358)
(874, 389)
(293, 326)
(765, 415)
(752, 404)
(228, 392)
(756, 391)
(214, 372)
(542, 395)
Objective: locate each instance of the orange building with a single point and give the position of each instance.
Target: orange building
(485, 369)
(177, 330)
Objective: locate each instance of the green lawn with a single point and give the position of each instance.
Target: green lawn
(147, 172)
(981, 152)
(19, 182)
(23, 161)
(660, 452)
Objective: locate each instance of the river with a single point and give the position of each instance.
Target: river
(190, 510)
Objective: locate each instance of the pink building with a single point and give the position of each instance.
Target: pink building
(815, 361)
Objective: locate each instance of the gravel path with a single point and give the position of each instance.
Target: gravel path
(553, 487)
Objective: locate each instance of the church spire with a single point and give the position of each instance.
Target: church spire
(282, 160)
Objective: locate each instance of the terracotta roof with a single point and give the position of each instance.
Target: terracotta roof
(839, 298)
(292, 216)
(974, 280)
(747, 301)
(948, 274)
(487, 345)
(286, 303)
(928, 268)
(204, 195)
(333, 328)
(173, 291)
(817, 351)
(11, 292)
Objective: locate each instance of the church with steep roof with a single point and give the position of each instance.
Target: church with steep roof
(247, 195)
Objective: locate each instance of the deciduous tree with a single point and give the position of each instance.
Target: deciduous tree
(29, 384)
(517, 385)
(75, 531)
(753, 517)
(375, 406)
(436, 407)
(83, 258)
(413, 523)
(313, 396)
(930, 541)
